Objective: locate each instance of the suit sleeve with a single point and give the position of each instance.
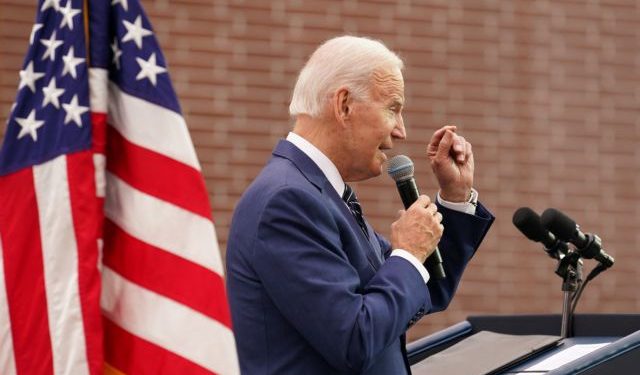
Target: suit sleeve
(308, 276)
(462, 236)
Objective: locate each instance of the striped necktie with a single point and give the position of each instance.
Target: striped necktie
(349, 196)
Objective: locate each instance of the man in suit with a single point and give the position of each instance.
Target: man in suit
(313, 288)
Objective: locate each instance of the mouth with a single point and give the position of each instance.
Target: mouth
(382, 151)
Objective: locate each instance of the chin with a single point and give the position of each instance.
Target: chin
(377, 169)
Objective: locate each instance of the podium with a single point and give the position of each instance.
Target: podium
(600, 344)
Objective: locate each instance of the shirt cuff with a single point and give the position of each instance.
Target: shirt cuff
(414, 262)
(468, 207)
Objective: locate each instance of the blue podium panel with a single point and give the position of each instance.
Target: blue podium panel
(601, 344)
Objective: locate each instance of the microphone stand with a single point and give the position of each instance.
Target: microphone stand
(570, 269)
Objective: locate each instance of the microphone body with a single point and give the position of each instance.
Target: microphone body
(588, 245)
(530, 224)
(401, 170)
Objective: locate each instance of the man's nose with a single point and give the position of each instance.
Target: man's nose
(398, 131)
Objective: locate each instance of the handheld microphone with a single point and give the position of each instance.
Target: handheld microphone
(401, 170)
(587, 244)
(529, 223)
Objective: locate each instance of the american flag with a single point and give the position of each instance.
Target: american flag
(108, 254)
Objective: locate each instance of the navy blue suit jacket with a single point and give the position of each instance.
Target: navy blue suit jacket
(310, 294)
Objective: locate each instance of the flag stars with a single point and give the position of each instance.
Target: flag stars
(67, 15)
(29, 125)
(52, 44)
(124, 3)
(34, 30)
(74, 111)
(52, 94)
(117, 52)
(70, 63)
(28, 77)
(55, 4)
(135, 31)
(149, 69)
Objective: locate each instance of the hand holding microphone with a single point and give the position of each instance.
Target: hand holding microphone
(419, 228)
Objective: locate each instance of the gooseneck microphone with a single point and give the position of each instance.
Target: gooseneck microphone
(587, 244)
(530, 224)
(401, 171)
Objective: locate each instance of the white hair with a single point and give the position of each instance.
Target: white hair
(342, 61)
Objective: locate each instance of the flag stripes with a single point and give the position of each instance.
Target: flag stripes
(28, 315)
(151, 126)
(132, 350)
(7, 363)
(87, 221)
(155, 221)
(60, 260)
(149, 172)
(166, 323)
(107, 246)
(165, 273)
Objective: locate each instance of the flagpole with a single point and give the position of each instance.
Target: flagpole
(87, 40)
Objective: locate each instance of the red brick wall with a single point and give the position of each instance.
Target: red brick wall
(547, 92)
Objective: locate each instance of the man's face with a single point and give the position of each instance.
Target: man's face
(376, 123)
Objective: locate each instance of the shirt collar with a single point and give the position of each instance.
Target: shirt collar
(322, 161)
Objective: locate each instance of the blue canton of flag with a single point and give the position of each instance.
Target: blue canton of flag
(137, 64)
(51, 114)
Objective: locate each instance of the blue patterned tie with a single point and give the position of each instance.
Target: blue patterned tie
(349, 196)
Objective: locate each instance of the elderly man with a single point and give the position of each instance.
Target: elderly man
(313, 288)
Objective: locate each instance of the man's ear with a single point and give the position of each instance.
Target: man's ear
(342, 101)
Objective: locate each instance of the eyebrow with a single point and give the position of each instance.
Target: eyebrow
(397, 101)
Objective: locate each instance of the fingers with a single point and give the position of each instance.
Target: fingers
(459, 148)
(436, 139)
(437, 136)
(431, 209)
(445, 142)
(462, 151)
(424, 202)
(418, 229)
(438, 217)
(445, 145)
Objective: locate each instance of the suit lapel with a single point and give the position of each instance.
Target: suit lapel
(315, 175)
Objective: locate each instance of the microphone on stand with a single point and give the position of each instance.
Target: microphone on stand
(401, 171)
(530, 224)
(588, 245)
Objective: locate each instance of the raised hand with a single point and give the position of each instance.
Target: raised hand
(451, 160)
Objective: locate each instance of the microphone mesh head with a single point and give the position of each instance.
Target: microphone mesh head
(559, 224)
(400, 168)
(528, 222)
